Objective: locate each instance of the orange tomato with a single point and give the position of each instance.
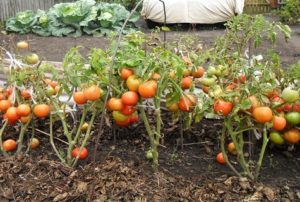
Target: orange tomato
(231, 148)
(186, 82)
(25, 94)
(279, 123)
(222, 107)
(79, 98)
(199, 72)
(41, 110)
(130, 98)
(34, 143)
(92, 93)
(4, 105)
(155, 76)
(2, 96)
(25, 119)
(262, 114)
(187, 102)
(115, 104)
(205, 88)
(23, 110)
(292, 136)
(126, 72)
(148, 89)
(9, 145)
(11, 114)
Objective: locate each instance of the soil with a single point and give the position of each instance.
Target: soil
(121, 172)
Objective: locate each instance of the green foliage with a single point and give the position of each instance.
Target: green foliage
(290, 13)
(129, 4)
(73, 19)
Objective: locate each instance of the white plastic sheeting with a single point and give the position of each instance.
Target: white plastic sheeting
(192, 11)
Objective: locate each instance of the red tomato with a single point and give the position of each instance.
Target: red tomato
(128, 110)
(220, 159)
(222, 107)
(82, 155)
(130, 98)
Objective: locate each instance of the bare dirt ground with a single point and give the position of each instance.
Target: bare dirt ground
(54, 48)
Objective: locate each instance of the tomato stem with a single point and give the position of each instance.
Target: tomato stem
(1, 134)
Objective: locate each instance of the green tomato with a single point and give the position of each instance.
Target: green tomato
(276, 138)
(149, 155)
(293, 118)
(290, 95)
(32, 59)
(211, 71)
(207, 81)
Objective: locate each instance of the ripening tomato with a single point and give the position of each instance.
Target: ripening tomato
(231, 148)
(287, 107)
(25, 119)
(128, 110)
(9, 91)
(186, 72)
(53, 84)
(148, 89)
(272, 93)
(79, 98)
(172, 74)
(23, 110)
(173, 107)
(49, 91)
(4, 105)
(115, 104)
(231, 86)
(262, 114)
(34, 143)
(254, 102)
(11, 114)
(155, 76)
(41, 110)
(25, 94)
(118, 116)
(279, 123)
(187, 102)
(126, 72)
(130, 98)
(220, 158)
(205, 89)
(82, 155)
(222, 107)
(199, 72)
(123, 123)
(186, 82)
(9, 145)
(242, 78)
(2, 97)
(292, 136)
(92, 93)
(133, 83)
(278, 101)
(84, 127)
(22, 45)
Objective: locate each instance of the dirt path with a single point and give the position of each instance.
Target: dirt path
(54, 48)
